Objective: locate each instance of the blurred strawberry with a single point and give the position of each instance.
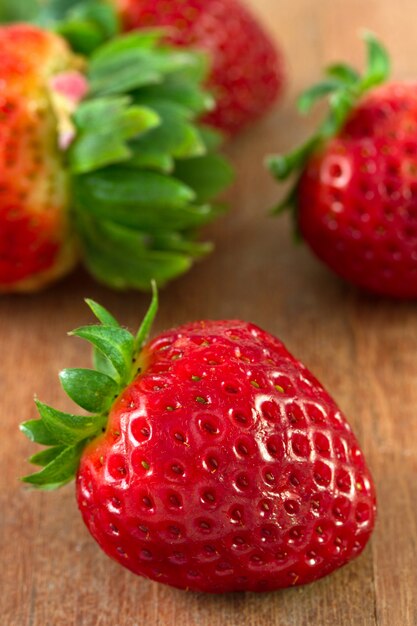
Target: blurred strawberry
(355, 199)
(35, 236)
(102, 158)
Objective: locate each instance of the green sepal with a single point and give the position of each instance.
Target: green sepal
(100, 361)
(137, 199)
(207, 175)
(102, 314)
(343, 73)
(129, 63)
(144, 170)
(104, 128)
(86, 24)
(313, 95)
(116, 346)
(344, 87)
(91, 390)
(60, 470)
(66, 428)
(45, 457)
(126, 258)
(147, 323)
(18, 10)
(36, 431)
(66, 434)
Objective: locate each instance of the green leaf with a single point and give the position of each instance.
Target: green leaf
(97, 12)
(91, 390)
(53, 11)
(104, 127)
(66, 428)
(46, 456)
(213, 139)
(138, 199)
(343, 73)
(309, 98)
(176, 136)
(125, 258)
(59, 471)
(36, 431)
(102, 314)
(83, 36)
(116, 345)
(145, 327)
(379, 65)
(180, 90)
(184, 243)
(143, 40)
(86, 24)
(282, 166)
(122, 66)
(207, 175)
(18, 10)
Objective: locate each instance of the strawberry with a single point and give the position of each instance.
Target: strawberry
(355, 198)
(247, 74)
(102, 158)
(35, 237)
(213, 460)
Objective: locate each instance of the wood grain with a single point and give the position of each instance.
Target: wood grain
(363, 349)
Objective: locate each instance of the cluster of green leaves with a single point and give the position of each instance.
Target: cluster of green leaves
(18, 10)
(343, 86)
(144, 169)
(115, 352)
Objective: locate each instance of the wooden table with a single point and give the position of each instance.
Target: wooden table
(364, 350)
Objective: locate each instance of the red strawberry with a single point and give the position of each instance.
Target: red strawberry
(356, 198)
(35, 237)
(247, 75)
(222, 465)
(102, 158)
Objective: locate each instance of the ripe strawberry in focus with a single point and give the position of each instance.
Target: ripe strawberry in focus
(35, 238)
(355, 200)
(247, 68)
(222, 465)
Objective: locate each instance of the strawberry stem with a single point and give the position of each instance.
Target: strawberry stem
(343, 86)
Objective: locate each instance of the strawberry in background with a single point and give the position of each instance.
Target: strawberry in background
(246, 75)
(355, 194)
(102, 157)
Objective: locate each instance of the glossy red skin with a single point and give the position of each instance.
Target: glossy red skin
(226, 466)
(357, 199)
(33, 194)
(247, 74)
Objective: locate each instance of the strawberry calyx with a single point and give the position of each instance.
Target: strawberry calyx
(86, 24)
(116, 359)
(343, 86)
(144, 169)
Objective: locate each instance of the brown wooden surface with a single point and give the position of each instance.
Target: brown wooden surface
(364, 350)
